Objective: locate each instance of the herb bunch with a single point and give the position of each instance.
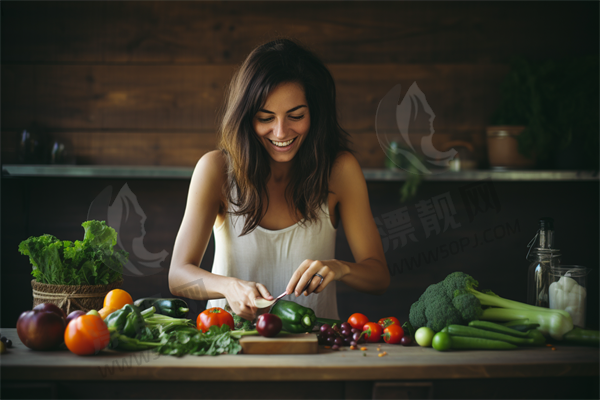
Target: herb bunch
(215, 341)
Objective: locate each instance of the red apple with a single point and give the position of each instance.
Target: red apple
(52, 308)
(41, 330)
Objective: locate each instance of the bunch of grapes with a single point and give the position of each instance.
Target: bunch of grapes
(340, 335)
(6, 343)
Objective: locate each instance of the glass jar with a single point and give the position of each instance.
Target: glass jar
(567, 291)
(538, 274)
(542, 256)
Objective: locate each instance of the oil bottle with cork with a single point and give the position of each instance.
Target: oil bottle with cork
(542, 256)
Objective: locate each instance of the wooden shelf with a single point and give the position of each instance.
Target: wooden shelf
(162, 172)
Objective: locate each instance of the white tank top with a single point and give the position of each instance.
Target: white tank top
(271, 257)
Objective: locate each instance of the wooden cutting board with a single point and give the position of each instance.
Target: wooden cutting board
(284, 344)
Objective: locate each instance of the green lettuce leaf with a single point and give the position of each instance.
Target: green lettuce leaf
(93, 261)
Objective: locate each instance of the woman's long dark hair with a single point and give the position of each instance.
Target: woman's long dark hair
(266, 67)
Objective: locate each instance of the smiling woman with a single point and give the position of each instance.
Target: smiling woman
(275, 191)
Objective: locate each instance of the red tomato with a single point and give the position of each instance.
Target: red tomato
(373, 332)
(213, 316)
(385, 322)
(358, 320)
(393, 334)
(87, 335)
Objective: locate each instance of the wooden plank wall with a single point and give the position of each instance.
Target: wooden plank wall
(141, 83)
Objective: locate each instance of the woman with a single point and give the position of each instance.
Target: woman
(273, 193)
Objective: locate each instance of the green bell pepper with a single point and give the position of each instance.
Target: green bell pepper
(117, 319)
(128, 321)
(296, 318)
(134, 321)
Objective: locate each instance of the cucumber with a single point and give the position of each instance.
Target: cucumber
(467, 331)
(475, 343)
(491, 326)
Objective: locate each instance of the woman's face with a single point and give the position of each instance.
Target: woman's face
(283, 122)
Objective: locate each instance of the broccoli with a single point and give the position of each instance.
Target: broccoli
(436, 309)
(456, 301)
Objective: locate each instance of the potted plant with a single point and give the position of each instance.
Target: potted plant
(547, 109)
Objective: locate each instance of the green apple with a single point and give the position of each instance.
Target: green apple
(424, 336)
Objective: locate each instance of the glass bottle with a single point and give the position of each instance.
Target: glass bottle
(542, 256)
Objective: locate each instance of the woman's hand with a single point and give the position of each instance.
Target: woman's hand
(241, 294)
(330, 270)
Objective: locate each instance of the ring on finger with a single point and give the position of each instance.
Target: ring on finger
(320, 276)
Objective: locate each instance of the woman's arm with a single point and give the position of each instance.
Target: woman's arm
(186, 278)
(204, 198)
(369, 274)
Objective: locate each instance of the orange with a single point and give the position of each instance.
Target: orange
(116, 299)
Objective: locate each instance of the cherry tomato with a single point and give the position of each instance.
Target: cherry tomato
(87, 335)
(385, 322)
(373, 332)
(116, 299)
(393, 334)
(213, 316)
(358, 320)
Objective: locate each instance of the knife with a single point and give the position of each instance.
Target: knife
(263, 303)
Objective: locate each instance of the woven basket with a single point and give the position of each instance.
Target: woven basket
(72, 297)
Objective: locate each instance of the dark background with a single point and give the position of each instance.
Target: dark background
(140, 83)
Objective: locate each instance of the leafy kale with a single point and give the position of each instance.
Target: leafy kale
(191, 341)
(93, 261)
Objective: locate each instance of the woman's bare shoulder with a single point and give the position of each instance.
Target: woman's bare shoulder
(209, 177)
(345, 167)
(211, 166)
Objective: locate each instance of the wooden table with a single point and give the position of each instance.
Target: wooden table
(405, 372)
